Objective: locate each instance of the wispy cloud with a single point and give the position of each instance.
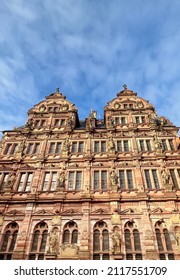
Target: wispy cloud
(88, 49)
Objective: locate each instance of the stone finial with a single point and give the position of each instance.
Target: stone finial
(57, 90)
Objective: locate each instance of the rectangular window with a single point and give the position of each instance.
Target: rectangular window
(152, 180)
(141, 143)
(100, 180)
(33, 148)
(126, 179)
(55, 147)
(99, 146)
(119, 146)
(11, 149)
(164, 144)
(77, 147)
(75, 180)
(140, 119)
(123, 146)
(39, 123)
(120, 120)
(25, 182)
(148, 179)
(148, 144)
(3, 180)
(50, 181)
(174, 175)
(126, 146)
(171, 144)
(145, 145)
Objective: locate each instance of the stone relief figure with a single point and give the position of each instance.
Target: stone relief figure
(111, 123)
(116, 238)
(66, 145)
(113, 179)
(158, 145)
(70, 122)
(53, 243)
(11, 180)
(61, 179)
(165, 177)
(111, 145)
(177, 236)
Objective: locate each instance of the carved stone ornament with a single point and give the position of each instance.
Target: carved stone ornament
(53, 243)
(116, 105)
(69, 251)
(42, 108)
(56, 220)
(116, 238)
(140, 104)
(115, 219)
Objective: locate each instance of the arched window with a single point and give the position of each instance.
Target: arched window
(132, 242)
(70, 233)
(100, 241)
(9, 241)
(163, 241)
(39, 241)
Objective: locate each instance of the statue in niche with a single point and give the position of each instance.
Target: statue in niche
(111, 123)
(66, 144)
(53, 243)
(61, 179)
(158, 145)
(70, 122)
(165, 177)
(113, 179)
(177, 236)
(111, 145)
(116, 238)
(11, 180)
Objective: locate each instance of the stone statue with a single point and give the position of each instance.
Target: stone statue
(11, 180)
(61, 179)
(158, 145)
(177, 235)
(53, 243)
(165, 177)
(65, 148)
(116, 242)
(113, 179)
(111, 123)
(125, 86)
(111, 145)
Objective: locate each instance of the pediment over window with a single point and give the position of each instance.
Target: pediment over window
(157, 210)
(127, 211)
(43, 212)
(15, 213)
(71, 212)
(100, 211)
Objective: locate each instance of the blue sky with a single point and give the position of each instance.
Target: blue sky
(88, 49)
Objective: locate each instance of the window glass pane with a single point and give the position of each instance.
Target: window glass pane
(130, 179)
(81, 146)
(164, 144)
(36, 148)
(103, 146)
(96, 147)
(46, 181)
(155, 178)
(54, 181)
(66, 236)
(173, 176)
(58, 148)
(148, 179)
(71, 180)
(121, 179)
(21, 183)
(35, 240)
(74, 147)
(141, 143)
(28, 183)
(5, 241)
(148, 143)
(8, 149)
(51, 148)
(105, 256)
(126, 146)
(167, 240)
(127, 240)
(96, 241)
(15, 148)
(159, 240)
(96, 180)
(119, 146)
(104, 180)
(105, 241)
(137, 243)
(13, 242)
(78, 180)
(74, 236)
(171, 144)
(43, 241)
